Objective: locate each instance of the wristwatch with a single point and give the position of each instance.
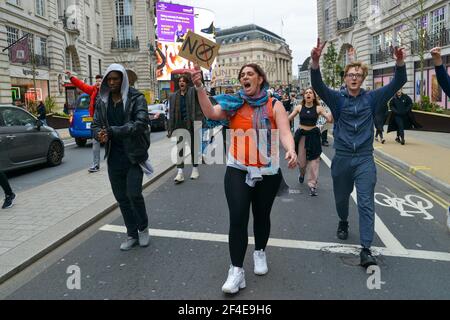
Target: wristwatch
(202, 86)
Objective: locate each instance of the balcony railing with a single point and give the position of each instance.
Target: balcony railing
(346, 23)
(383, 55)
(40, 61)
(125, 44)
(438, 39)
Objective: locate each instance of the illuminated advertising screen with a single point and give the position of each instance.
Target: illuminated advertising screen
(173, 23)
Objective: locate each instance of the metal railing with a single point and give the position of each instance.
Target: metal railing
(346, 23)
(125, 44)
(437, 39)
(382, 55)
(40, 61)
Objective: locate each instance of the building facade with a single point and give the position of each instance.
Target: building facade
(75, 35)
(304, 74)
(369, 30)
(253, 44)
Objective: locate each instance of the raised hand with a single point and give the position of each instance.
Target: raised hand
(316, 52)
(400, 54)
(436, 54)
(196, 75)
(68, 73)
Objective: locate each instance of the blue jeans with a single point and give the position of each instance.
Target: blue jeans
(361, 172)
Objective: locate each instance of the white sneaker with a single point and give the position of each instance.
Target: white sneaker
(235, 280)
(195, 174)
(260, 260)
(179, 178)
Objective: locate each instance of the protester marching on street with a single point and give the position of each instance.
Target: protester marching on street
(92, 91)
(401, 118)
(10, 196)
(250, 179)
(307, 139)
(184, 111)
(353, 163)
(441, 73)
(380, 120)
(121, 122)
(323, 124)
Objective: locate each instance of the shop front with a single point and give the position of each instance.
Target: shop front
(23, 90)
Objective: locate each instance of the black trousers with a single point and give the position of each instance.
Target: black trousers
(194, 153)
(239, 197)
(126, 184)
(324, 136)
(400, 127)
(5, 184)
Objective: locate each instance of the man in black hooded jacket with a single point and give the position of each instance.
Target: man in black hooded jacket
(121, 122)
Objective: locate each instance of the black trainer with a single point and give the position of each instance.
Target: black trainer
(301, 179)
(9, 201)
(398, 139)
(342, 231)
(367, 259)
(313, 192)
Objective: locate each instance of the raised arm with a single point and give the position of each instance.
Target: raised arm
(441, 74)
(328, 95)
(211, 112)
(382, 95)
(80, 84)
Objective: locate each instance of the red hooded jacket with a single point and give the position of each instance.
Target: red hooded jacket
(90, 90)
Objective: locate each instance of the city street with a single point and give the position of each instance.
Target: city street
(188, 256)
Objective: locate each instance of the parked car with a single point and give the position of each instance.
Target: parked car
(80, 121)
(158, 116)
(25, 141)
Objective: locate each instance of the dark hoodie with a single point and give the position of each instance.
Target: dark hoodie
(354, 116)
(135, 133)
(443, 79)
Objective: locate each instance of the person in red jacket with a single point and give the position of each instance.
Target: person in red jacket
(93, 92)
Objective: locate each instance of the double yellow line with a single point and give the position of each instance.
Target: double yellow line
(443, 203)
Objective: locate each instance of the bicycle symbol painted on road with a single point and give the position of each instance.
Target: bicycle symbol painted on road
(410, 206)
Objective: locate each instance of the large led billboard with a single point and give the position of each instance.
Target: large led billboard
(173, 23)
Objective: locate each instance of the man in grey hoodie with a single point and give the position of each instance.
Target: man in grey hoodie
(121, 121)
(353, 109)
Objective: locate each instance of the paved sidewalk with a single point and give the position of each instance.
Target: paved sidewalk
(47, 216)
(425, 155)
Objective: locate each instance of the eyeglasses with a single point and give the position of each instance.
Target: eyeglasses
(354, 75)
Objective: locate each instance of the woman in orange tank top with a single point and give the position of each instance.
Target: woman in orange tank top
(253, 177)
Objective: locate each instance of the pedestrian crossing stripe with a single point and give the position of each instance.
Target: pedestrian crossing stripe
(337, 248)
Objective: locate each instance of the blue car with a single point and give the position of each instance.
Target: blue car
(81, 121)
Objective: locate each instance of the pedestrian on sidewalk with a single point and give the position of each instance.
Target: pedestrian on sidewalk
(92, 91)
(184, 110)
(9, 194)
(353, 163)
(42, 113)
(323, 124)
(441, 73)
(401, 109)
(252, 178)
(307, 138)
(380, 119)
(121, 122)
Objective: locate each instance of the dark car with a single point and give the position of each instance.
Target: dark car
(25, 141)
(80, 121)
(158, 116)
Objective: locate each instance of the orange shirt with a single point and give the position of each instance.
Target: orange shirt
(243, 142)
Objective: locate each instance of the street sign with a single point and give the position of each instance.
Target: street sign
(199, 50)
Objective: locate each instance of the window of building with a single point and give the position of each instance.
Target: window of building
(88, 29)
(100, 66)
(438, 21)
(388, 39)
(99, 36)
(375, 8)
(124, 23)
(68, 60)
(355, 10)
(41, 46)
(327, 24)
(40, 7)
(97, 6)
(400, 36)
(377, 43)
(14, 2)
(12, 35)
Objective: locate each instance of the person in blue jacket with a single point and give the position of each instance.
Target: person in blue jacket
(441, 73)
(353, 109)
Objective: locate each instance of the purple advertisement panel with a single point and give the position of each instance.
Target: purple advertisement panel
(174, 21)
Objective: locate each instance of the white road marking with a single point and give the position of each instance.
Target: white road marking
(292, 244)
(407, 207)
(381, 229)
